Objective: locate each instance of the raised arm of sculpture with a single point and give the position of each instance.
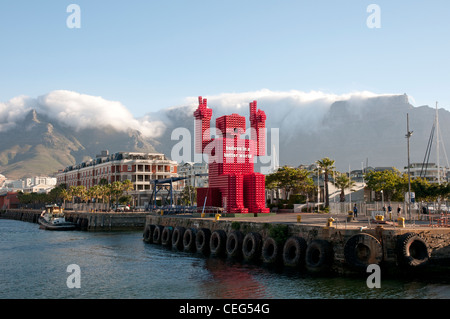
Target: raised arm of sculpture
(258, 126)
(202, 116)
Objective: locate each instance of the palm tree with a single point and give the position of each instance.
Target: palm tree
(327, 166)
(127, 186)
(73, 193)
(94, 193)
(343, 182)
(103, 192)
(65, 195)
(116, 189)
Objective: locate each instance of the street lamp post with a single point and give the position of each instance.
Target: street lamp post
(318, 187)
(408, 136)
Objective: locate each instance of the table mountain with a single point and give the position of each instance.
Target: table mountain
(40, 146)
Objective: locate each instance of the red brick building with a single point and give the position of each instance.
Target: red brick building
(9, 200)
(140, 168)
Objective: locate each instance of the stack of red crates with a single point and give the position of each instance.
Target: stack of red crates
(254, 193)
(233, 184)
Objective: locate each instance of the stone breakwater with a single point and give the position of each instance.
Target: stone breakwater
(314, 246)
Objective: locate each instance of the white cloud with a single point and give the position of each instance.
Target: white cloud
(78, 111)
(13, 111)
(301, 110)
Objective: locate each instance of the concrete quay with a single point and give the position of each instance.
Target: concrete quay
(309, 241)
(86, 221)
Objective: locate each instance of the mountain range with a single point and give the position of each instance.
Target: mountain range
(353, 131)
(40, 146)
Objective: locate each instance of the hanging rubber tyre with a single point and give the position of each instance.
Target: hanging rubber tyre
(166, 236)
(177, 238)
(189, 240)
(148, 233)
(251, 246)
(234, 244)
(217, 243)
(319, 256)
(294, 250)
(202, 240)
(271, 251)
(412, 251)
(361, 250)
(157, 232)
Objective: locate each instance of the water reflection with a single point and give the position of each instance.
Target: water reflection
(33, 264)
(231, 280)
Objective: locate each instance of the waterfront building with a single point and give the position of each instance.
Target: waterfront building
(37, 184)
(142, 169)
(2, 180)
(429, 171)
(9, 200)
(196, 173)
(38, 188)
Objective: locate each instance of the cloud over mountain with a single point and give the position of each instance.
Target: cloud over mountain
(304, 110)
(349, 128)
(301, 111)
(78, 111)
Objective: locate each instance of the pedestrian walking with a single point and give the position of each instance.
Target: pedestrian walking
(399, 210)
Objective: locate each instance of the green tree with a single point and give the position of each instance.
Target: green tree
(343, 182)
(116, 190)
(188, 193)
(391, 182)
(79, 192)
(326, 166)
(65, 195)
(93, 193)
(290, 179)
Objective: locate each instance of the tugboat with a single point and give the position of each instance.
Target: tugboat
(52, 218)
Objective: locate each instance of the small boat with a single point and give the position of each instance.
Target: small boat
(52, 218)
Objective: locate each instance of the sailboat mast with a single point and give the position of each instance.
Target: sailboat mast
(437, 146)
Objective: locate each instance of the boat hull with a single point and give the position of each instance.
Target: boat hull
(62, 226)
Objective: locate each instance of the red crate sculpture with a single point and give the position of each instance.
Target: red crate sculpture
(233, 183)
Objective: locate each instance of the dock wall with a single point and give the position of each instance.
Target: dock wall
(350, 250)
(98, 221)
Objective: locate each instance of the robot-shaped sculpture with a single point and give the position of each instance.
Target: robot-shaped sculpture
(233, 183)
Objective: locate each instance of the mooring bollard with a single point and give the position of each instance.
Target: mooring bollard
(350, 216)
(330, 222)
(401, 222)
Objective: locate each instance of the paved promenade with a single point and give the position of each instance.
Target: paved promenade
(340, 220)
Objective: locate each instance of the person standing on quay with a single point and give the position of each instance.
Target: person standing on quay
(355, 211)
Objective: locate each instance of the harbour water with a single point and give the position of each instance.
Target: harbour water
(119, 265)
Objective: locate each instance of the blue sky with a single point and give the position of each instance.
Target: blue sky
(153, 54)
